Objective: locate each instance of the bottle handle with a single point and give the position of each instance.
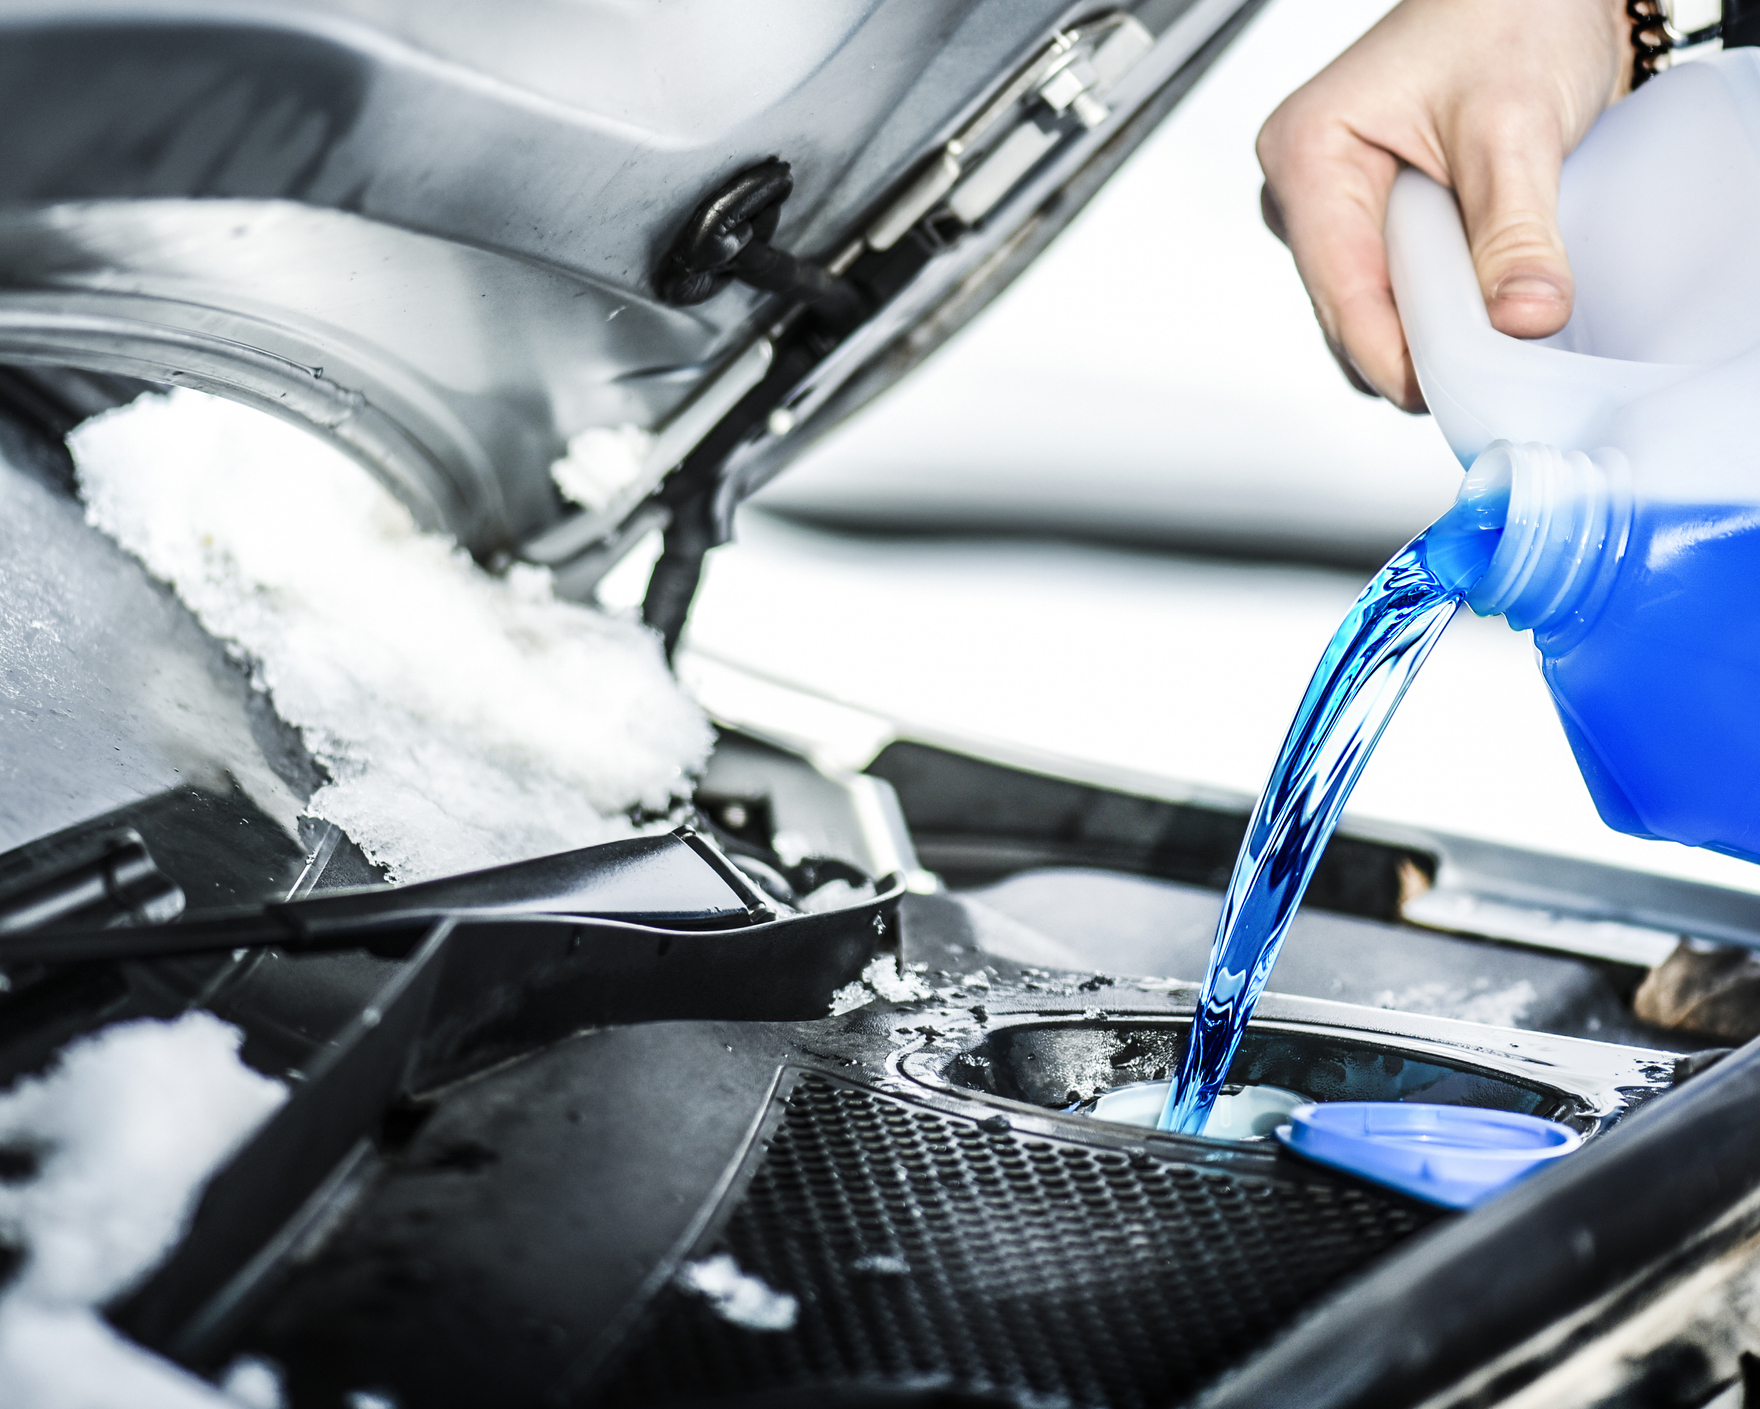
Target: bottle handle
(1480, 384)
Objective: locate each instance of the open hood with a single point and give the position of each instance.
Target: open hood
(759, 1066)
(453, 237)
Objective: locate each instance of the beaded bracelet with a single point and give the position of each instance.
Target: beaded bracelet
(1650, 38)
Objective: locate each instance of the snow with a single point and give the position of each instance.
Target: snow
(884, 979)
(738, 1297)
(125, 1128)
(69, 1358)
(465, 720)
(254, 1383)
(850, 997)
(836, 895)
(601, 463)
(881, 1264)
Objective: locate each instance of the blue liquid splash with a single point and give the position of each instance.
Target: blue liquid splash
(1355, 689)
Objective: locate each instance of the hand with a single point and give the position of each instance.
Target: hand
(1486, 96)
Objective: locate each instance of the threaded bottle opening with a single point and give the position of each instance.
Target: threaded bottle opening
(1564, 512)
(1458, 547)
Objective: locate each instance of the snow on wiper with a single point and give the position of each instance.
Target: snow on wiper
(464, 718)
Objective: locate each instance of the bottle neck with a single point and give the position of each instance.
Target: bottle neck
(1563, 533)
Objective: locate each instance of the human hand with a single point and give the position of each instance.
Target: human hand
(1485, 96)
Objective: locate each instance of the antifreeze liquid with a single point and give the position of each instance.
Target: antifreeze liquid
(1358, 684)
(1658, 699)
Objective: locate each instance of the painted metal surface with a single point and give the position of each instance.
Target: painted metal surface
(428, 231)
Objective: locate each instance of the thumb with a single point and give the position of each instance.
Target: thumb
(1509, 199)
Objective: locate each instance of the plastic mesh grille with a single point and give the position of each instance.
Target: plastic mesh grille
(924, 1250)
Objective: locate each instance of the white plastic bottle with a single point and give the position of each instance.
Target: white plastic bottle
(1622, 455)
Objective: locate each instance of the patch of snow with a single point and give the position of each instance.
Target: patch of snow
(738, 1297)
(880, 1264)
(835, 895)
(70, 1358)
(126, 1129)
(465, 720)
(254, 1383)
(850, 997)
(368, 1399)
(883, 978)
(792, 847)
(601, 463)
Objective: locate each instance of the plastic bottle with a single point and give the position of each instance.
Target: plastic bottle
(1620, 459)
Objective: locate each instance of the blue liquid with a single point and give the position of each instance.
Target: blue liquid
(1658, 695)
(1358, 684)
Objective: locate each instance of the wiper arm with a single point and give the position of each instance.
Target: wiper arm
(679, 881)
(111, 879)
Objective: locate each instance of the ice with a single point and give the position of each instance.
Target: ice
(738, 1297)
(883, 978)
(465, 720)
(124, 1131)
(850, 997)
(601, 462)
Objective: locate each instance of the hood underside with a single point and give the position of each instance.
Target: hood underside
(432, 232)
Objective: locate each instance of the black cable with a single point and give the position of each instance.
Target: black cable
(679, 569)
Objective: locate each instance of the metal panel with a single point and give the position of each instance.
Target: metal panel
(426, 231)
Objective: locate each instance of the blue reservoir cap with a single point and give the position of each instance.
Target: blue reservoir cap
(1456, 1156)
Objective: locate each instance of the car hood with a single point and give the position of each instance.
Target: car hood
(436, 234)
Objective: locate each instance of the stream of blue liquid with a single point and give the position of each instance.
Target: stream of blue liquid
(1358, 684)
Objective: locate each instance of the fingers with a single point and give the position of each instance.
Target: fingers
(1272, 214)
(1353, 373)
(1506, 176)
(1326, 197)
(1486, 96)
